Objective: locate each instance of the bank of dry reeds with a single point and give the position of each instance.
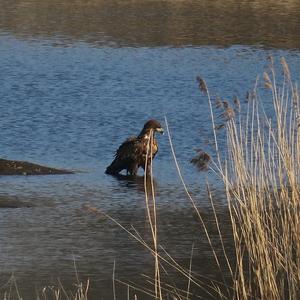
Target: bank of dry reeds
(261, 175)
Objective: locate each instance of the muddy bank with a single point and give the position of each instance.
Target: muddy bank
(14, 167)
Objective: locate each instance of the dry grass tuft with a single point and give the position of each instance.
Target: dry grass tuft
(201, 160)
(51, 292)
(202, 84)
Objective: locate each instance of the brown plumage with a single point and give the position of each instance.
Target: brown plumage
(133, 152)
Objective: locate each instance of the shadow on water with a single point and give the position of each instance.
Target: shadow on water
(137, 182)
(13, 202)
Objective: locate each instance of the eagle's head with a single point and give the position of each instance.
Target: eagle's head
(152, 124)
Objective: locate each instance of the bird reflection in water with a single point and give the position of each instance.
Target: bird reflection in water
(137, 182)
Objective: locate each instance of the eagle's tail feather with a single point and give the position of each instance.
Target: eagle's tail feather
(111, 171)
(113, 168)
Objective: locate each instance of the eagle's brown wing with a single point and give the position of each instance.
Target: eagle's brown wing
(127, 157)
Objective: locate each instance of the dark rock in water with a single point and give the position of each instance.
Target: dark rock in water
(14, 167)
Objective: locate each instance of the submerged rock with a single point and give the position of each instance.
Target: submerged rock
(15, 167)
(12, 202)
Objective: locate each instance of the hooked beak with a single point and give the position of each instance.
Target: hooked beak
(160, 130)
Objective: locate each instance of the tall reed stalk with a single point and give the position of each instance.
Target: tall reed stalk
(152, 215)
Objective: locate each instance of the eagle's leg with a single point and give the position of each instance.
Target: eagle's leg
(148, 169)
(133, 170)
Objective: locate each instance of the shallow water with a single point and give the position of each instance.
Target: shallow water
(71, 94)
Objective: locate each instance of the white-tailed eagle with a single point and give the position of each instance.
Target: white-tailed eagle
(133, 152)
